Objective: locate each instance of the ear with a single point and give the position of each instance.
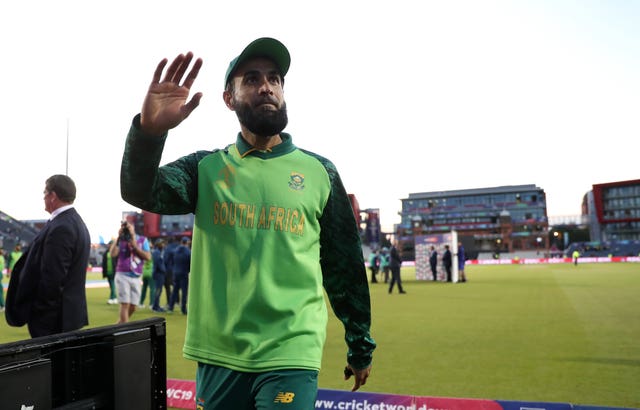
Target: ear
(228, 99)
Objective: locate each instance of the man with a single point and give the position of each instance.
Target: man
(374, 265)
(447, 262)
(181, 268)
(169, 250)
(159, 270)
(462, 260)
(2, 266)
(47, 286)
(13, 257)
(108, 272)
(273, 224)
(395, 262)
(433, 262)
(131, 251)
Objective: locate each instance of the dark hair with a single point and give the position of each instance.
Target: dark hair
(63, 186)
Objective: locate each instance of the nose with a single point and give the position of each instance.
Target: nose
(265, 87)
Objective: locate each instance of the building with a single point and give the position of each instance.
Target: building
(494, 220)
(613, 211)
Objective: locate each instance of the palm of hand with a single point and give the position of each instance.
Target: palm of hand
(164, 107)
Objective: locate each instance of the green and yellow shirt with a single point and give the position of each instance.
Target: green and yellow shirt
(271, 229)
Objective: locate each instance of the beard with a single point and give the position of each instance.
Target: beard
(261, 122)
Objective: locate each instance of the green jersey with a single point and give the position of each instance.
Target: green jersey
(271, 229)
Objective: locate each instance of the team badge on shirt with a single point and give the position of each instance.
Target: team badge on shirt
(296, 181)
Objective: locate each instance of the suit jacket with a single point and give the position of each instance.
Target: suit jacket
(47, 286)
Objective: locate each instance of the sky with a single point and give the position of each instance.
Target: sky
(402, 96)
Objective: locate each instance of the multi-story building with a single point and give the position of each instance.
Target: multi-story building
(614, 211)
(495, 220)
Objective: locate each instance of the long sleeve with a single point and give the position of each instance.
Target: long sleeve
(344, 273)
(169, 189)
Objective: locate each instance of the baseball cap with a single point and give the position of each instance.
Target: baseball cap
(265, 47)
(185, 239)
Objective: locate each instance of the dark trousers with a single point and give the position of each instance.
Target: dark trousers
(374, 272)
(159, 283)
(395, 278)
(180, 285)
(434, 272)
(168, 282)
(448, 270)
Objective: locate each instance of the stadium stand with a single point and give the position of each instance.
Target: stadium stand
(13, 232)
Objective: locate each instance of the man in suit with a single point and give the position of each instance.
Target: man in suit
(433, 262)
(47, 286)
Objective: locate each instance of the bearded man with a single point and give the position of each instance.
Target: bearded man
(273, 225)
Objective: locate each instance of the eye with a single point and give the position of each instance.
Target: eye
(274, 79)
(250, 79)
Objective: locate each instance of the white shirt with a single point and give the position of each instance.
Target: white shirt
(59, 211)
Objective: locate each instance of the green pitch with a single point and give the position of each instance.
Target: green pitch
(553, 333)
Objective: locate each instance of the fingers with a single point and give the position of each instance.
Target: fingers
(360, 376)
(158, 72)
(360, 380)
(191, 77)
(192, 104)
(177, 69)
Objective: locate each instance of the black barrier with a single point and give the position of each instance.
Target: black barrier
(112, 367)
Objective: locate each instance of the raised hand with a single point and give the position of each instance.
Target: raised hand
(165, 105)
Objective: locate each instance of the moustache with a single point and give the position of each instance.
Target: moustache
(267, 100)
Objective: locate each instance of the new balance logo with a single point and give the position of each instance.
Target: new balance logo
(284, 397)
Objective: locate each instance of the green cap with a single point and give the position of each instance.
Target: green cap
(264, 47)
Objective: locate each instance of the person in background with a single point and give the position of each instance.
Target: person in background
(374, 265)
(447, 262)
(47, 286)
(13, 258)
(462, 260)
(181, 269)
(384, 263)
(273, 224)
(159, 270)
(2, 267)
(168, 265)
(433, 262)
(109, 272)
(147, 280)
(131, 251)
(575, 256)
(395, 261)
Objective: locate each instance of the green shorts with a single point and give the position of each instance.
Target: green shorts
(221, 388)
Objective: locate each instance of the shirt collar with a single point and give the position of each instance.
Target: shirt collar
(59, 211)
(286, 146)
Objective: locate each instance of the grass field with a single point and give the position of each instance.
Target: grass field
(553, 333)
